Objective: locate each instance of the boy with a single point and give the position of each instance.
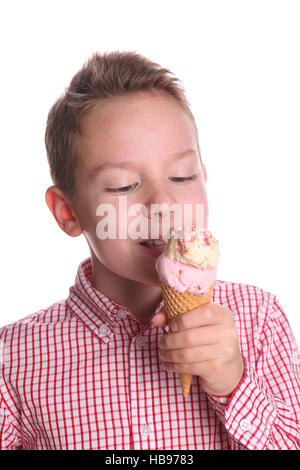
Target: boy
(98, 371)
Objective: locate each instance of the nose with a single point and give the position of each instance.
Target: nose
(159, 200)
(161, 208)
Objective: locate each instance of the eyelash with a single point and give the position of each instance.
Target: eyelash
(186, 178)
(125, 188)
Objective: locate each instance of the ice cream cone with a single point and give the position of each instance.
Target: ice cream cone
(177, 303)
(187, 270)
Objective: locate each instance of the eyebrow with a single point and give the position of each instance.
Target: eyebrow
(131, 163)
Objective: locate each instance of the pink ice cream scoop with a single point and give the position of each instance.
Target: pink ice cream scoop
(189, 262)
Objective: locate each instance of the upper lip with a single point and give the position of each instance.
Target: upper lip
(141, 240)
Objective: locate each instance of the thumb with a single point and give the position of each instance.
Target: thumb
(160, 319)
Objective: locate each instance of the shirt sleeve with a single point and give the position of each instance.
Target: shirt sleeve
(263, 413)
(10, 438)
(10, 425)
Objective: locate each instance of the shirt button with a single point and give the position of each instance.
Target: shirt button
(140, 342)
(245, 424)
(146, 430)
(103, 330)
(122, 313)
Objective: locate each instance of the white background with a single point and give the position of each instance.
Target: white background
(239, 63)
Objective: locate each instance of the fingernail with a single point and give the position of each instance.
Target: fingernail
(173, 326)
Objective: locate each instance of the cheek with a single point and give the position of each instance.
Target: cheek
(194, 203)
(114, 255)
(98, 217)
(111, 252)
(196, 192)
(85, 208)
(129, 216)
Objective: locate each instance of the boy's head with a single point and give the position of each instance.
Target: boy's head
(121, 107)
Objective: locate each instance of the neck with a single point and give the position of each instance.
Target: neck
(140, 299)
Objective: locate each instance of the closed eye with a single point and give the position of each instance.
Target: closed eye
(175, 179)
(186, 178)
(120, 190)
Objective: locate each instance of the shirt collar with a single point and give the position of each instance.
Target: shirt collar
(98, 312)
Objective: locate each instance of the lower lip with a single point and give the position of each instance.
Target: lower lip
(153, 250)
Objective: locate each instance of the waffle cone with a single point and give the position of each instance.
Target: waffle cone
(177, 303)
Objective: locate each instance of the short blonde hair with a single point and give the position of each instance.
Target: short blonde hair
(103, 77)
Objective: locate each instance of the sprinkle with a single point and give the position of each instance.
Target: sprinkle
(206, 240)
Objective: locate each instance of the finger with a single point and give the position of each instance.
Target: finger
(190, 355)
(196, 368)
(210, 314)
(160, 319)
(193, 337)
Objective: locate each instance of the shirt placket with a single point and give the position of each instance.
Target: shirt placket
(142, 367)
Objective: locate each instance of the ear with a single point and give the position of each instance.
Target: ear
(62, 212)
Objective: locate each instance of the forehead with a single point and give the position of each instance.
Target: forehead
(141, 125)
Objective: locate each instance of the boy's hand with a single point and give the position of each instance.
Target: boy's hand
(205, 344)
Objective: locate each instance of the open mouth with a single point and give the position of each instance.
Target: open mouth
(154, 247)
(151, 243)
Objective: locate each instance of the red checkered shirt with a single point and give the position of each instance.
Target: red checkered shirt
(82, 374)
